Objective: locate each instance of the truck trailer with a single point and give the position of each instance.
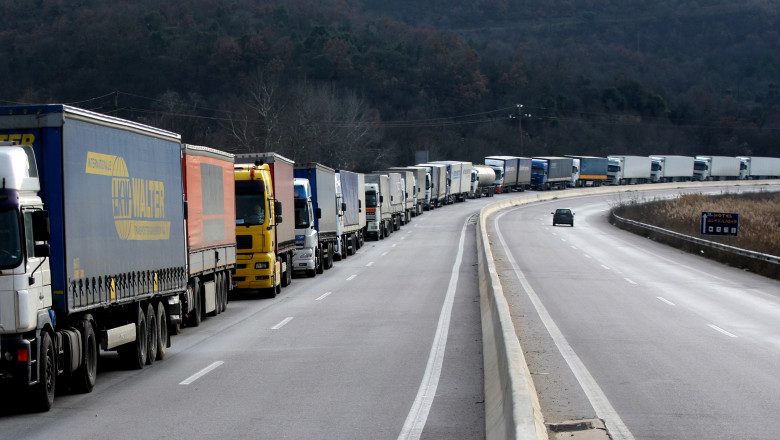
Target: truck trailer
(551, 172)
(716, 168)
(588, 170)
(351, 206)
(95, 243)
(509, 171)
(422, 187)
(628, 170)
(671, 168)
(316, 218)
(438, 183)
(264, 187)
(753, 167)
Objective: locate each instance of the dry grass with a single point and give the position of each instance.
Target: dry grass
(759, 217)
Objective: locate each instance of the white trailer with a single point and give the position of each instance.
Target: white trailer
(752, 167)
(671, 168)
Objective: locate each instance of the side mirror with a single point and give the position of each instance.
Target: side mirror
(319, 212)
(344, 206)
(381, 199)
(278, 207)
(42, 250)
(41, 225)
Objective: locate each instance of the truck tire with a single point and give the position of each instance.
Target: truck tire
(319, 263)
(42, 396)
(351, 249)
(84, 377)
(162, 335)
(194, 317)
(133, 354)
(152, 334)
(287, 273)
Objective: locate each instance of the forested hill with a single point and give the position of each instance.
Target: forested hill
(363, 84)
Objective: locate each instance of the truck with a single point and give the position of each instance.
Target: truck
(628, 170)
(509, 171)
(588, 170)
(351, 206)
(550, 172)
(264, 187)
(716, 168)
(409, 190)
(379, 219)
(460, 179)
(316, 218)
(438, 183)
(671, 168)
(397, 191)
(753, 167)
(94, 251)
(422, 178)
(486, 178)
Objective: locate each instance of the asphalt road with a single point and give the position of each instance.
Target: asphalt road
(660, 343)
(386, 345)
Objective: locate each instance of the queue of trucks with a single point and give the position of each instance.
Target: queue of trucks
(114, 235)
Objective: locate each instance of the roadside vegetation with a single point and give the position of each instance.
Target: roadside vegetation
(759, 223)
(759, 217)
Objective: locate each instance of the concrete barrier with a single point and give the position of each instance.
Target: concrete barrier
(512, 409)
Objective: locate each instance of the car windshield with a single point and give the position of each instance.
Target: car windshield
(10, 239)
(563, 211)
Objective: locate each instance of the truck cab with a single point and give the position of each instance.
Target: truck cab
(306, 257)
(257, 213)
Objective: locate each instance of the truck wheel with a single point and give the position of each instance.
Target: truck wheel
(351, 245)
(287, 273)
(223, 280)
(84, 378)
(162, 334)
(194, 317)
(134, 354)
(318, 263)
(42, 397)
(152, 334)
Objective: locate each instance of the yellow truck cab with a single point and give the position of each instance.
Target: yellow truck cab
(257, 268)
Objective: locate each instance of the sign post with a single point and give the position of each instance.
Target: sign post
(720, 223)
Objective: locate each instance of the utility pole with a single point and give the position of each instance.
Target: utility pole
(520, 126)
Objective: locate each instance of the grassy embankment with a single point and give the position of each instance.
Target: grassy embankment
(759, 222)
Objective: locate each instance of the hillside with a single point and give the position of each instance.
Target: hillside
(364, 84)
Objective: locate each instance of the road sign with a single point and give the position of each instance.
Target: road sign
(720, 223)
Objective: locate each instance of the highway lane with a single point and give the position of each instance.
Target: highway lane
(677, 346)
(350, 354)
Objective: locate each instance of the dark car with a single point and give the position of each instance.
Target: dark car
(563, 216)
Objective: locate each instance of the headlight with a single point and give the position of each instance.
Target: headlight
(261, 265)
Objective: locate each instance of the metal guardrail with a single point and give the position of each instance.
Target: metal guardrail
(701, 242)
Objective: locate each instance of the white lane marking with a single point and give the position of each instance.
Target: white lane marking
(586, 255)
(370, 263)
(604, 409)
(605, 267)
(403, 238)
(418, 414)
(716, 328)
(574, 247)
(282, 324)
(323, 296)
(351, 277)
(383, 254)
(665, 300)
(394, 245)
(630, 280)
(564, 240)
(201, 373)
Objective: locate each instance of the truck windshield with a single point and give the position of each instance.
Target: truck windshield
(301, 213)
(371, 199)
(10, 240)
(250, 209)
